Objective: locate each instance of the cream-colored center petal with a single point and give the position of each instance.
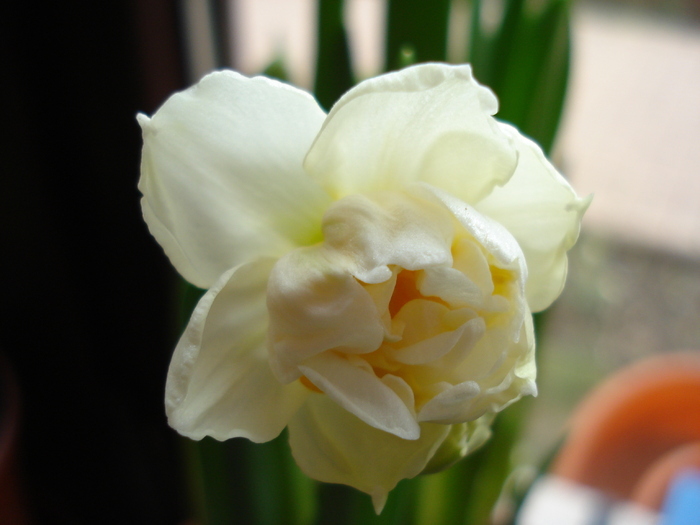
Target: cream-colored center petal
(402, 314)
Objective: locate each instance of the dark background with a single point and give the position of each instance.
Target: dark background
(88, 306)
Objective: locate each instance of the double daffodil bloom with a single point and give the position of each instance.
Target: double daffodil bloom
(371, 273)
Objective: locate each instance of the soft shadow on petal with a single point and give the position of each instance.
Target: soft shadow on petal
(332, 445)
(543, 213)
(222, 177)
(430, 122)
(219, 382)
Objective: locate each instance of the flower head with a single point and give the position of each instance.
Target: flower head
(371, 273)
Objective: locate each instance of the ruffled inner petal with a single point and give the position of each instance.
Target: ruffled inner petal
(356, 388)
(498, 380)
(372, 232)
(492, 236)
(427, 350)
(316, 306)
(448, 406)
(452, 286)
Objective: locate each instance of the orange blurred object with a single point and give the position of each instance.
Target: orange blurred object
(634, 432)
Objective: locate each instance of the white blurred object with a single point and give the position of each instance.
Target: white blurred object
(556, 501)
(630, 514)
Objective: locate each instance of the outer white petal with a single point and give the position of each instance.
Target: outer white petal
(430, 122)
(219, 382)
(332, 445)
(222, 177)
(543, 213)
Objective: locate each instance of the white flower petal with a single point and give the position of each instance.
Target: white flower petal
(448, 406)
(332, 445)
(315, 306)
(374, 231)
(423, 318)
(502, 247)
(543, 213)
(429, 349)
(381, 294)
(499, 379)
(472, 331)
(494, 237)
(362, 393)
(452, 286)
(431, 331)
(219, 382)
(403, 390)
(470, 260)
(222, 177)
(430, 122)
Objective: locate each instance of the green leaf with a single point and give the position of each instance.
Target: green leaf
(214, 474)
(526, 62)
(490, 51)
(333, 67)
(492, 465)
(442, 500)
(466, 493)
(417, 25)
(281, 493)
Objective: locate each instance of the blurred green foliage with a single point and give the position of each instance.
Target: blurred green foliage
(417, 25)
(525, 60)
(333, 68)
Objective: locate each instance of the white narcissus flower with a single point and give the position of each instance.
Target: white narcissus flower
(371, 273)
